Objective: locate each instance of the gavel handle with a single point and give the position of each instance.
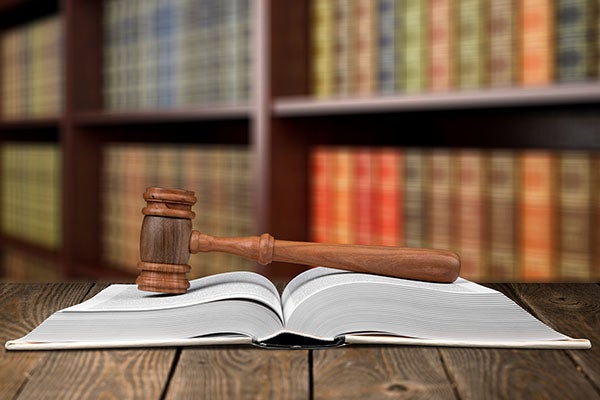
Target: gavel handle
(409, 263)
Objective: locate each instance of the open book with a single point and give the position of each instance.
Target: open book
(320, 307)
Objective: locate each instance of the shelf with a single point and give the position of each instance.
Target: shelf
(227, 112)
(560, 94)
(30, 124)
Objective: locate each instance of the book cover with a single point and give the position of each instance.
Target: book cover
(343, 183)
(415, 205)
(321, 160)
(538, 226)
(575, 216)
(245, 308)
(322, 50)
(502, 42)
(503, 215)
(575, 46)
(388, 44)
(472, 44)
(537, 24)
(440, 200)
(364, 187)
(415, 58)
(389, 218)
(365, 47)
(471, 210)
(343, 47)
(441, 41)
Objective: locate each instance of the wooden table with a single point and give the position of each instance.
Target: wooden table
(359, 372)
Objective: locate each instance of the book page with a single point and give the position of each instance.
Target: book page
(231, 285)
(318, 279)
(327, 303)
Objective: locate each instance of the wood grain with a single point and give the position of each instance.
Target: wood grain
(22, 308)
(240, 373)
(379, 372)
(119, 374)
(526, 374)
(515, 374)
(572, 309)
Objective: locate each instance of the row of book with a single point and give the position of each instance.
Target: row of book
(31, 65)
(364, 47)
(220, 175)
(174, 53)
(31, 192)
(21, 266)
(521, 215)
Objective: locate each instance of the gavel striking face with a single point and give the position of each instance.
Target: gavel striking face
(167, 240)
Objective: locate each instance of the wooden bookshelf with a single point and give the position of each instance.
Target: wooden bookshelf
(280, 124)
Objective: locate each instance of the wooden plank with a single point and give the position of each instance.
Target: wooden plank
(22, 308)
(240, 373)
(572, 309)
(120, 374)
(370, 372)
(511, 373)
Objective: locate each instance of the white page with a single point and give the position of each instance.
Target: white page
(317, 279)
(231, 285)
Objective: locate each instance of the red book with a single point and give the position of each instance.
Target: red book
(320, 197)
(363, 193)
(388, 172)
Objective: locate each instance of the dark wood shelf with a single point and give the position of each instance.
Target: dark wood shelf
(30, 124)
(110, 118)
(559, 94)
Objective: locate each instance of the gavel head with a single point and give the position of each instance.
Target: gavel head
(165, 240)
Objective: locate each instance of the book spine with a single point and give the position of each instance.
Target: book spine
(415, 60)
(387, 46)
(575, 175)
(321, 194)
(471, 212)
(472, 44)
(343, 47)
(538, 233)
(441, 39)
(502, 41)
(322, 48)
(415, 184)
(537, 42)
(440, 201)
(363, 193)
(575, 58)
(365, 46)
(503, 191)
(31, 193)
(389, 196)
(343, 200)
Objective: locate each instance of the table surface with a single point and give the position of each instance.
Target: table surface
(352, 372)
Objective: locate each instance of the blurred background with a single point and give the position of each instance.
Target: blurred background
(469, 125)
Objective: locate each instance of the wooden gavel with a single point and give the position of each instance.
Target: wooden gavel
(167, 240)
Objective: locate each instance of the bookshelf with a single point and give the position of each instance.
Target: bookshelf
(280, 124)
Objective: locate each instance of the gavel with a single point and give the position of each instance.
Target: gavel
(167, 240)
